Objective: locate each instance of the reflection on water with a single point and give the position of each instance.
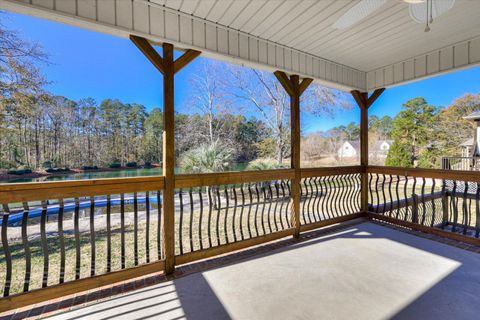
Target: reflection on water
(110, 174)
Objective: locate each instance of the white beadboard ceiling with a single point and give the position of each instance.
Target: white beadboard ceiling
(387, 48)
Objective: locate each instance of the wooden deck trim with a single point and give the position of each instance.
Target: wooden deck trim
(210, 179)
(329, 222)
(427, 173)
(330, 171)
(76, 286)
(20, 192)
(429, 230)
(227, 248)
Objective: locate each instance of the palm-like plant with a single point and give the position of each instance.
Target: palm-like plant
(264, 164)
(213, 157)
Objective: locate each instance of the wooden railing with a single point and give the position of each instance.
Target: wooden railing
(60, 238)
(461, 163)
(64, 237)
(442, 202)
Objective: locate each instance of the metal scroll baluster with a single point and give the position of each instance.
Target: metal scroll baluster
(424, 208)
(455, 206)
(234, 229)
(370, 193)
(135, 229)
(323, 193)
(92, 236)
(61, 210)
(76, 226)
(6, 251)
(43, 235)
(377, 194)
(342, 195)
(200, 222)
(26, 247)
(384, 197)
(350, 194)
(405, 197)
(225, 228)
(256, 210)
(477, 211)
(210, 207)
(219, 208)
(303, 196)
(109, 234)
(465, 208)
(147, 226)
(263, 209)
(190, 197)
(328, 199)
(180, 226)
(159, 225)
(274, 213)
(122, 230)
(259, 201)
(398, 197)
(316, 212)
(390, 211)
(241, 212)
(281, 205)
(433, 202)
(277, 199)
(336, 195)
(310, 211)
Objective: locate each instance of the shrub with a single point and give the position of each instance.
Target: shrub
(89, 168)
(214, 157)
(114, 165)
(264, 164)
(58, 170)
(20, 172)
(132, 164)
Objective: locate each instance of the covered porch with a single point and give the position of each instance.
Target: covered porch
(153, 225)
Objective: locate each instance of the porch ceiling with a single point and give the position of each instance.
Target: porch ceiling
(296, 36)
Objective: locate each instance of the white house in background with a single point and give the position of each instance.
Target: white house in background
(380, 149)
(351, 149)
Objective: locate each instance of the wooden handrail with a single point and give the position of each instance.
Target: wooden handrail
(330, 171)
(427, 173)
(210, 179)
(23, 192)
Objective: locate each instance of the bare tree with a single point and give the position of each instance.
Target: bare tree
(261, 92)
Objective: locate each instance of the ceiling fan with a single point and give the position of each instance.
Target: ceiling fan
(421, 11)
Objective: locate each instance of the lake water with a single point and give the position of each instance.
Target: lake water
(110, 174)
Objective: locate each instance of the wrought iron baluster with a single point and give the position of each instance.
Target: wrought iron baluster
(225, 226)
(76, 217)
(180, 226)
(135, 228)
(190, 196)
(6, 251)
(200, 223)
(92, 236)
(241, 211)
(26, 247)
(109, 234)
(122, 230)
(147, 226)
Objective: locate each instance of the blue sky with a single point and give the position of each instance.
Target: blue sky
(90, 64)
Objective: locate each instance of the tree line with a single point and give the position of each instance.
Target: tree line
(233, 108)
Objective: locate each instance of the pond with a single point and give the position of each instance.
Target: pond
(141, 172)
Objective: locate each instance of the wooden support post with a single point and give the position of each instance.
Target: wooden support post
(294, 88)
(364, 102)
(168, 67)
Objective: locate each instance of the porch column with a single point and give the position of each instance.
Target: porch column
(294, 88)
(364, 102)
(168, 67)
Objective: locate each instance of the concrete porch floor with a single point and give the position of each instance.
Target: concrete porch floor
(366, 271)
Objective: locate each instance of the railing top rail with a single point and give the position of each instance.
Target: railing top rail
(21, 192)
(427, 173)
(210, 179)
(330, 171)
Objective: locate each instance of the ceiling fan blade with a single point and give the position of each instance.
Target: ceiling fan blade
(418, 11)
(358, 12)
